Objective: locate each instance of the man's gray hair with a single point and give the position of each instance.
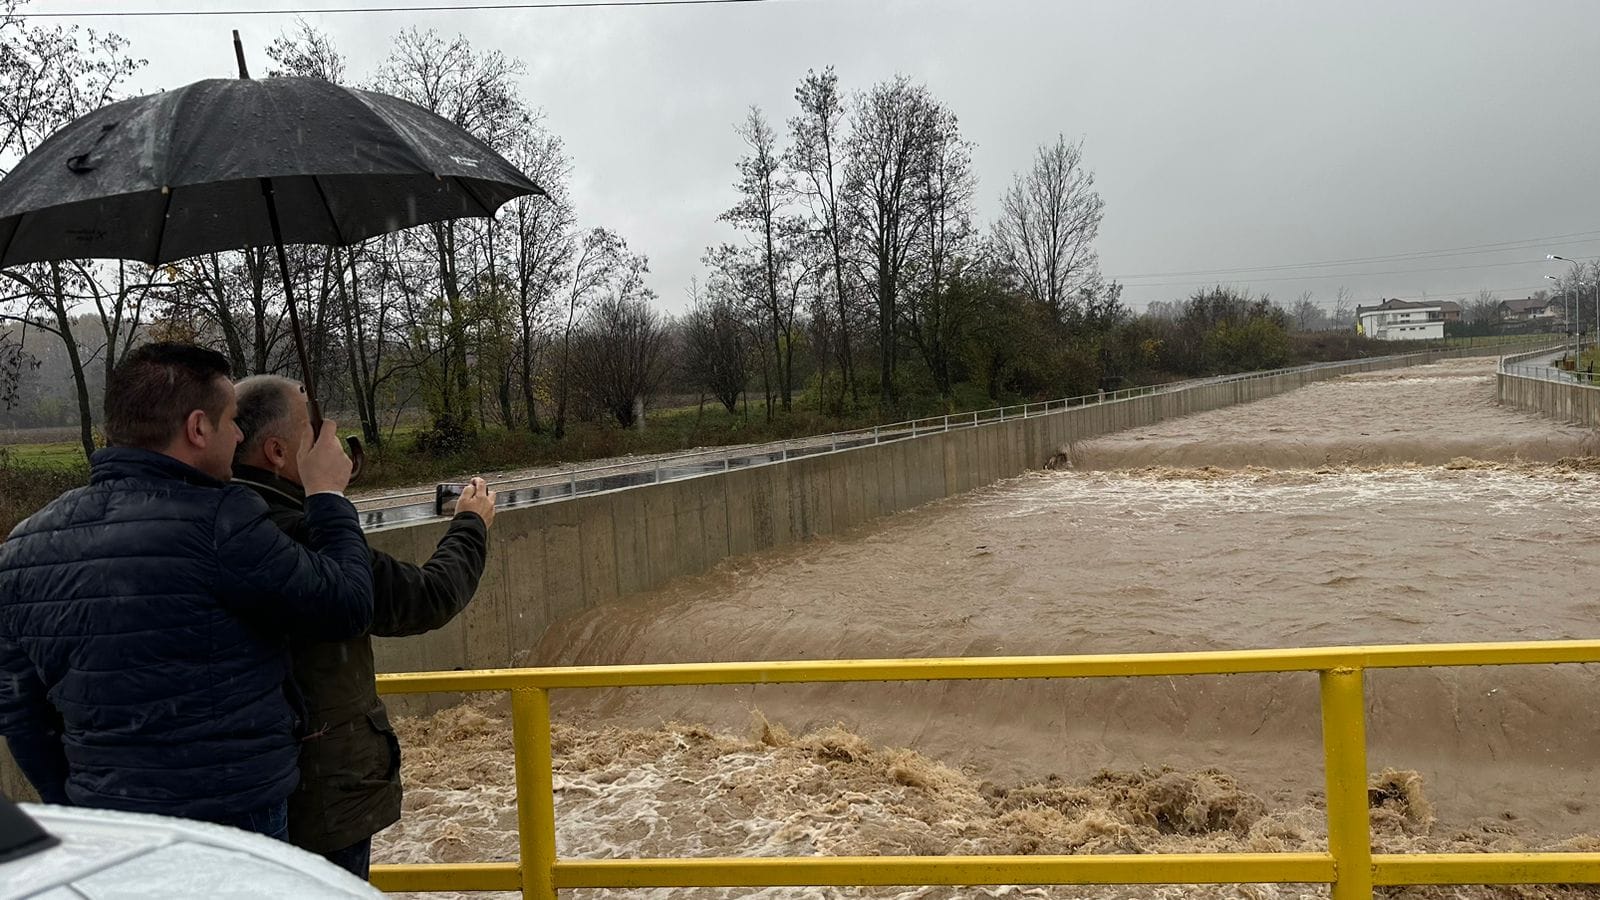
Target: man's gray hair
(264, 411)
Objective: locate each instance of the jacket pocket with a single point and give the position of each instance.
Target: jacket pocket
(378, 719)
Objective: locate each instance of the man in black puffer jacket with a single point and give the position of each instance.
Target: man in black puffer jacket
(145, 619)
(350, 759)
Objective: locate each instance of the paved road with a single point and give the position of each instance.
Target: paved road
(1545, 367)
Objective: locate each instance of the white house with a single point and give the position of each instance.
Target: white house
(1401, 320)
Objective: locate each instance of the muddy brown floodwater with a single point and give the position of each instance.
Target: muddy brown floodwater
(1387, 508)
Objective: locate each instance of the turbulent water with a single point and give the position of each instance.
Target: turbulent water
(1375, 509)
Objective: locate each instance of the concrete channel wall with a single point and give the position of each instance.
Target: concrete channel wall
(557, 559)
(1567, 401)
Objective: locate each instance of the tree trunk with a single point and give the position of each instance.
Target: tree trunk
(886, 399)
(562, 388)
(258, 304)
(450, 279)
(355, 352)
(771, 266)
(70, 342)
(527, 385)
(503, 394)
(847, 367)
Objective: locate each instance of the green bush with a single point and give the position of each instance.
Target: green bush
(1256, 343)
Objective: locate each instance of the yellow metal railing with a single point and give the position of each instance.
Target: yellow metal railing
(1349, 866)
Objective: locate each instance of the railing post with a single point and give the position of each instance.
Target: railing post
(1344, 743)
(536, 802)
(658, 471)
(572, 490)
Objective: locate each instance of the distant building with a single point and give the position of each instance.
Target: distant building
(1525, 310)
(1403, 320)
(1452, 311)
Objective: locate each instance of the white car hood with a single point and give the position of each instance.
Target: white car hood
(107, 855)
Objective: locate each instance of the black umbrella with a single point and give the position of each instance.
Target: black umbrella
(228, 163)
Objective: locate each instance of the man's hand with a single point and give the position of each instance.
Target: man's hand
(323, 465)
(477, 497)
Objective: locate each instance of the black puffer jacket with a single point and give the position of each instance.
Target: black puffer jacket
(145, 620)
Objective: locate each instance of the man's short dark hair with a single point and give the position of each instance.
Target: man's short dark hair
(151, 393)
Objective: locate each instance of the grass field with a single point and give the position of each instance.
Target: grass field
(57, 455)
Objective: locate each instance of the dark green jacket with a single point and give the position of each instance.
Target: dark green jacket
(349, 757)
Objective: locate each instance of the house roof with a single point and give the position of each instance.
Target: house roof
(1526, 304)
(1449, 306)
(1399, 304)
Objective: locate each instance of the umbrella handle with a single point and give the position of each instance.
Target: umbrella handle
(358, 457)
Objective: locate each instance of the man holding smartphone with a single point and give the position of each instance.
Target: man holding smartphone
(350, 759)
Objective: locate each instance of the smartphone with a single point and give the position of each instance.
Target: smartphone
(445, 496)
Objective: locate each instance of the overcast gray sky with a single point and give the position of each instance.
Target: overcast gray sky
(1225, 135)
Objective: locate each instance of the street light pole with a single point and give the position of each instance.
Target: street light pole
(1563, 309)
(1577, 269)
(1578, 298)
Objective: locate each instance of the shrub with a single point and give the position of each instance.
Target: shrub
(449, 436)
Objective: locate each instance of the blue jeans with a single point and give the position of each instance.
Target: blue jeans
(355, 859)
(272, 821)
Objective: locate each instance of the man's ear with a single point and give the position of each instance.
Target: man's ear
(197, 429)
(277, 452)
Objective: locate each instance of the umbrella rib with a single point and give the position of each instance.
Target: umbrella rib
(161, 226)
(475, 198)
(333, 220)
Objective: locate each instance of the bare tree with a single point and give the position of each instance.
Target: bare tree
(1344, 310)
(306, 52)
(360, 318)
(600, 256)
(621, 361)
(539, 231)
(1048, 223)
(50, 76)
(478, 92)
(816, 154)
(887, 147)
(717, 351)
(1305, 315)
(764, 192)
(1483, 309)
(239, 303)
(937, 316)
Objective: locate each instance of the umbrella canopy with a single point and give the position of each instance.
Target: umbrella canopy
(178, 174)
